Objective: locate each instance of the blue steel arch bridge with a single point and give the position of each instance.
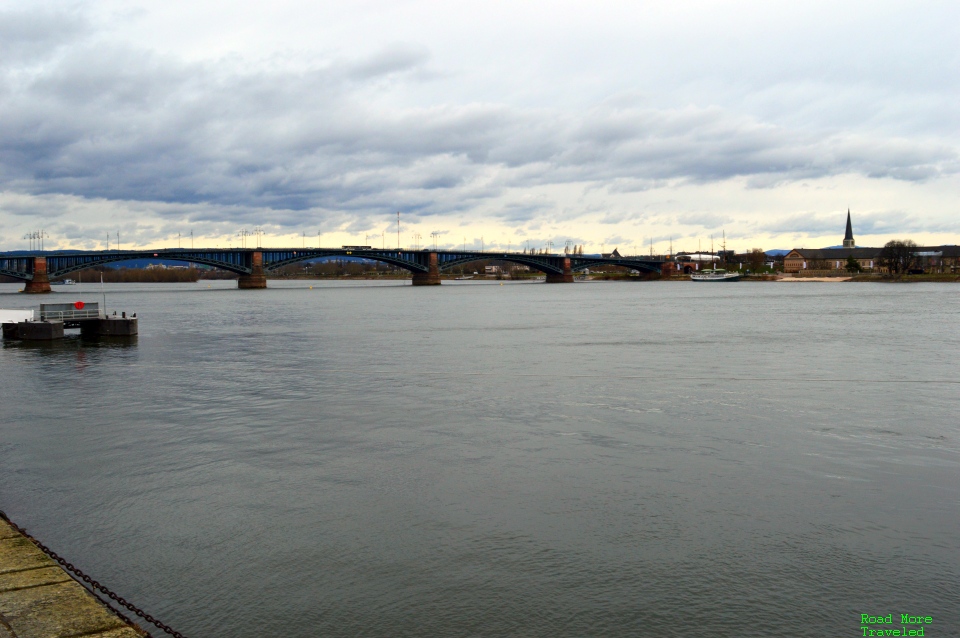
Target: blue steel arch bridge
(253, 264)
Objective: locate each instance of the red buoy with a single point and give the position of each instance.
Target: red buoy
(78, 305)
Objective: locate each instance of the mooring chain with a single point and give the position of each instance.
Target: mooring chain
(94, 584)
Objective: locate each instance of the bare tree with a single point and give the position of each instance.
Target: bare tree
(897, 256)
(757, 259)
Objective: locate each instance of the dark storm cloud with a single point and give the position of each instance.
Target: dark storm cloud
(120, 123)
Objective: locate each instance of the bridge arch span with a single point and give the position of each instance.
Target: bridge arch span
(582, 264)
(542, 264)
(59, 265)
(406, 259)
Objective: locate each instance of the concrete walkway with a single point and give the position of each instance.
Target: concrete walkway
(40, 600)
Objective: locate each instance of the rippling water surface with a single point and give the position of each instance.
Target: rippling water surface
(633, 459)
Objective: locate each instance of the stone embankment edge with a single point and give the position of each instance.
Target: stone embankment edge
(38, 598)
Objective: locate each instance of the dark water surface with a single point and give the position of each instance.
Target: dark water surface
(642, 459)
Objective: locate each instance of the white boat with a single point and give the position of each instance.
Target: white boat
(65, 282)
(715, 274)
(463, 278)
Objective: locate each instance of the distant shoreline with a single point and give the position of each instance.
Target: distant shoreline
(192, 275)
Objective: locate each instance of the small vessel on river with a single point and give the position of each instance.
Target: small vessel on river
(715, 274)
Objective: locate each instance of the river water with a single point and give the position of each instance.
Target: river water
(597, 459)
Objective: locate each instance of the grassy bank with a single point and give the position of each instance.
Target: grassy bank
(905, 279)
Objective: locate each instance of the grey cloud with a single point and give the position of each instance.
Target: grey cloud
(127, 124)
(614, 218)
(395, 58)
(30, 34)
(808, 223)
(864, 224)
(703, 220)
(518, 212)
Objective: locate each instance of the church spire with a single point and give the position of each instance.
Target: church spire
(848, 238)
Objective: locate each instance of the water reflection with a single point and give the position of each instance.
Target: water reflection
(71, 342)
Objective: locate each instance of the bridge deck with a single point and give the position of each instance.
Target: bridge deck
(254, 264)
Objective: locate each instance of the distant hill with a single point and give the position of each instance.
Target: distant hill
(776, 252)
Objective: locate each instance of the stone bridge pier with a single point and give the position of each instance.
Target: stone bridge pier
(562, 278)
(432, 276)
(257, 278)
(40, 282)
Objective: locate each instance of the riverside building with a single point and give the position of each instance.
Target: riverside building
(941, 259)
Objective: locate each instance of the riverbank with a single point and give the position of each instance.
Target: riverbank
(903, 279)
(38, 598)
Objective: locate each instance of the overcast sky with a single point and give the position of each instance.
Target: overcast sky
(597, 123)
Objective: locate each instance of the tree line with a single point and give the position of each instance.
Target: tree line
(897, 257)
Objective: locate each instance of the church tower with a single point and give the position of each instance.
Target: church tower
(848, 238)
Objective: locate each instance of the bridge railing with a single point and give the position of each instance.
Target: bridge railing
(69, 312)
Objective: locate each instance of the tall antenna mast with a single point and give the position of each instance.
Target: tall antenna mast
(398, 230)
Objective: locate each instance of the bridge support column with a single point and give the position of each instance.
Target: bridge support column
(40, 282)
(257, 278)
(432, 276)
(562, 278)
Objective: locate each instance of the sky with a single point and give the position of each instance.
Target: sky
(496, 124)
